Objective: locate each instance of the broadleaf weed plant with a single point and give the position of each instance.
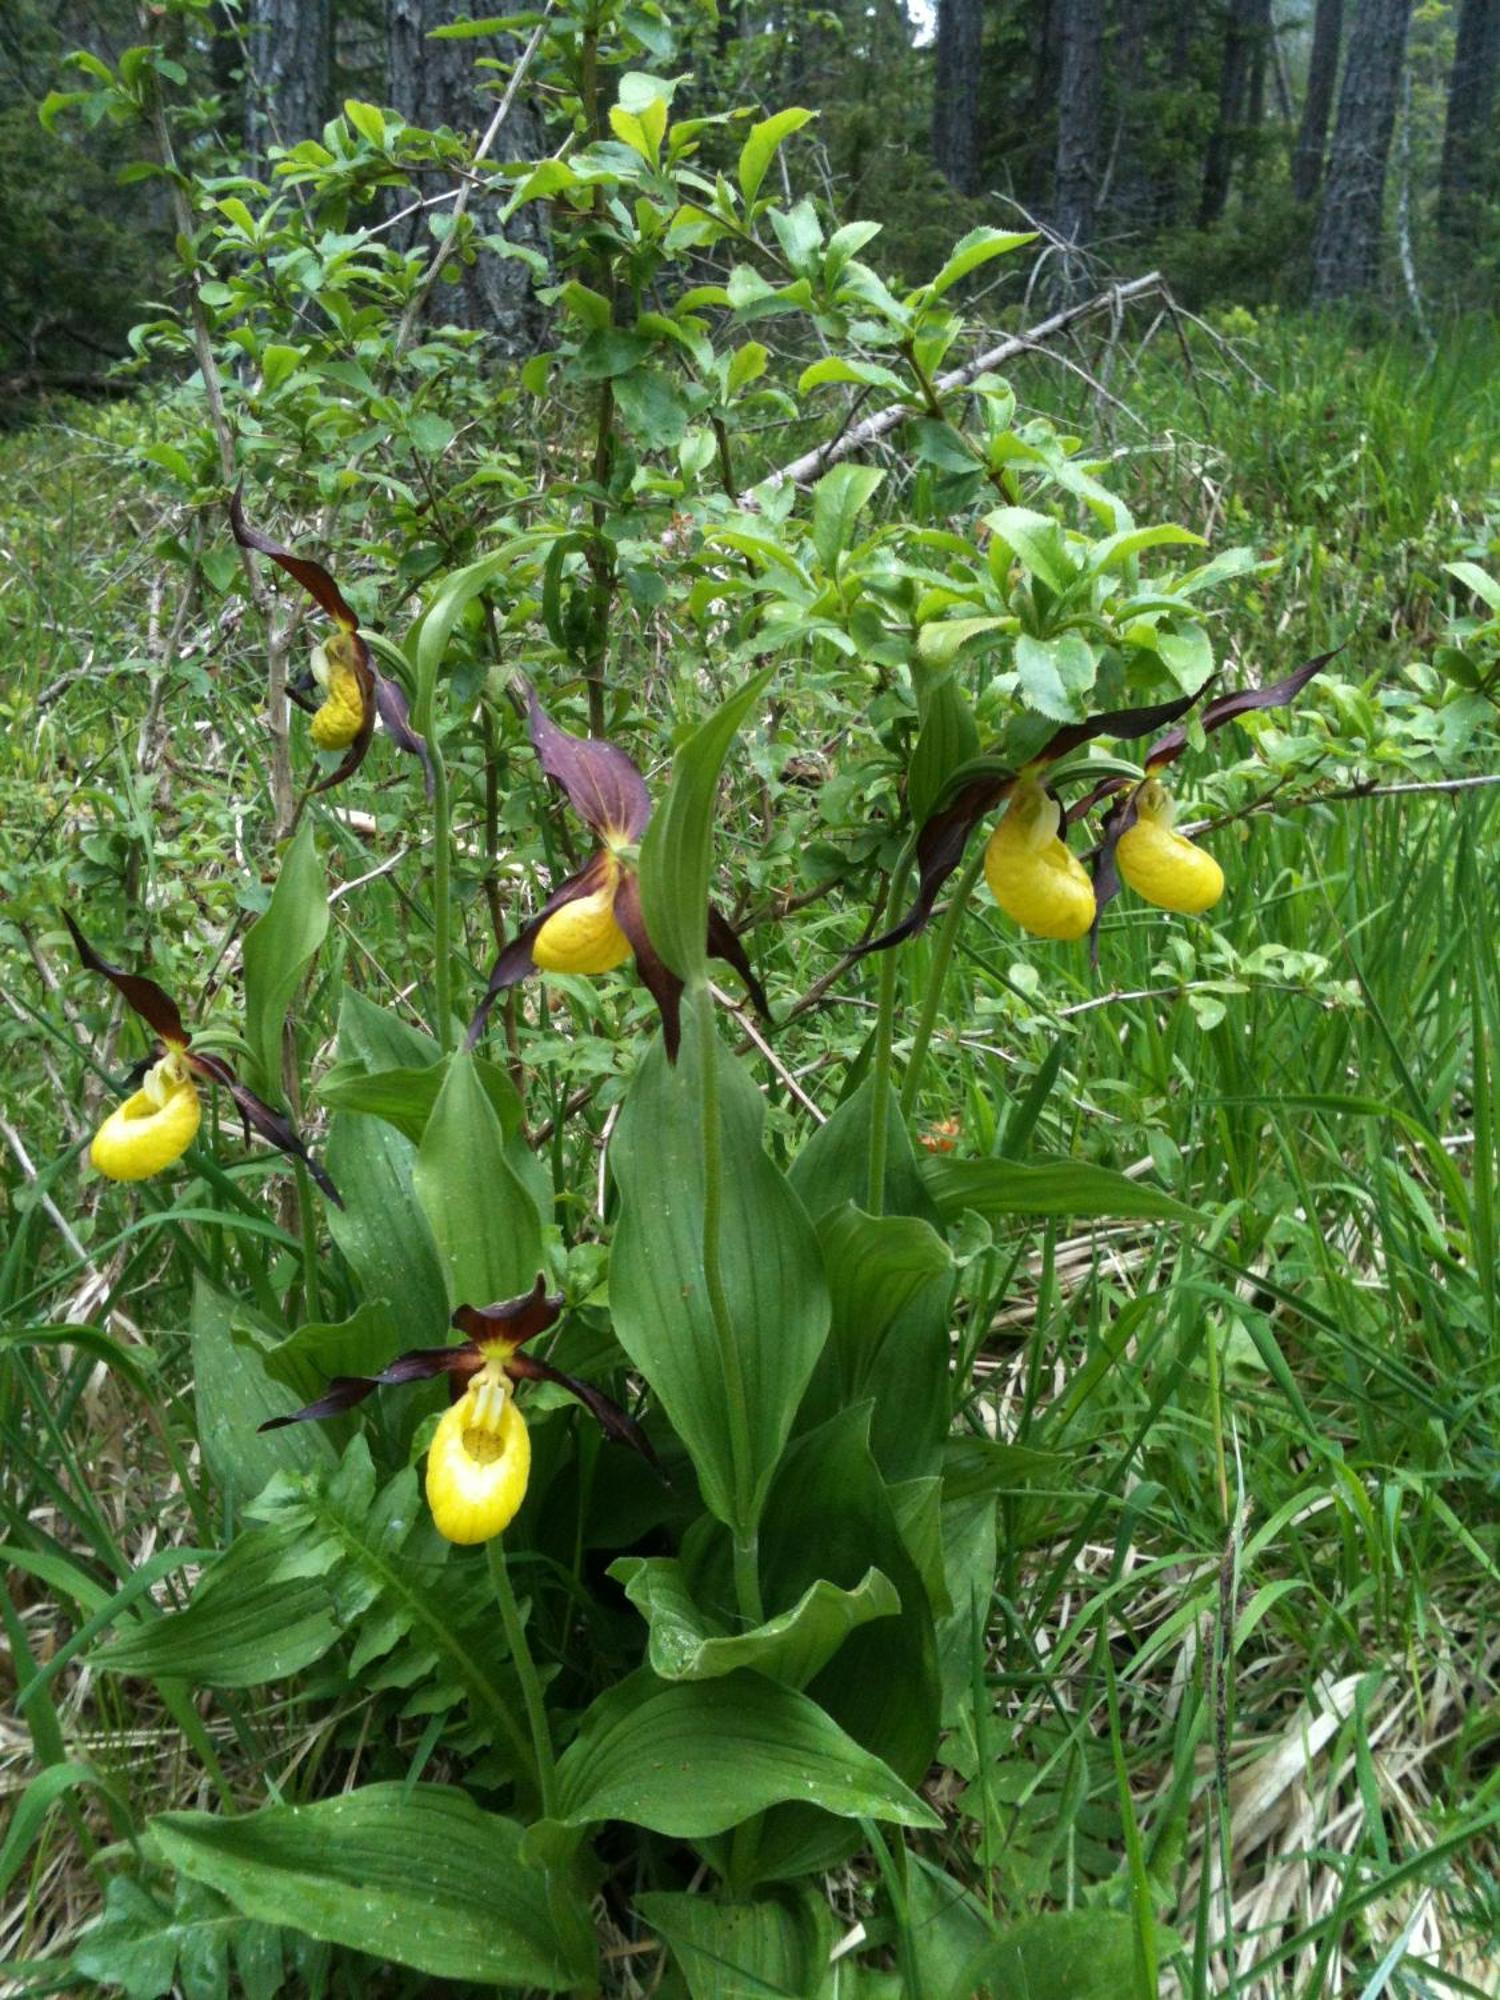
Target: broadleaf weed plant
(685, 1603)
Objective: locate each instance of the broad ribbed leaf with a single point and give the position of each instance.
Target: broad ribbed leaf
(687, 1644)
(701, 1756)
(776, 1948)
(1061, 1188)
(677, 852)
(772, 1270)
(484, 1221)
(279, 947)
(247, 1624)
(416, 1876)
(1067, 1955)
(833, 1167)
(381, 1228)
(233, 1395)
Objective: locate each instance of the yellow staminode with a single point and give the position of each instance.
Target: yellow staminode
(1032, 875)
(583, 936)
(151, 1129)
(479, 1462)
(338, 721)
(1162, 866)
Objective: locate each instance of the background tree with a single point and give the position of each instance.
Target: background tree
(1079, 103)
(1346, 248)
(288, 50)
(1470, 153)
(955, 96)
(1317, 104)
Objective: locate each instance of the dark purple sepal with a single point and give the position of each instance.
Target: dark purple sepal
(395, 712)
(1123, 723)
(657, 976)
(312, 576)
(1244, 701)
(272, 1126)
(602, 785)
(615, 1423)
(1102, 865)
(143, 996)
(940, 849)
(512, 1321)
(724, 942)
(345, 1391)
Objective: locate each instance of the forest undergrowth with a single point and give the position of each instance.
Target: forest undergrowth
(1235, 1671)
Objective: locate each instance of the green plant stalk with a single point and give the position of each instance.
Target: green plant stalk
(746, 1540)
(942, 958)
(526, 1673)
(442, 876)
(307, 1221)
(884, 1029)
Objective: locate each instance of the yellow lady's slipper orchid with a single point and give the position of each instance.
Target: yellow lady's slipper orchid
(479, 1461)
(341, 715)
(153, 1127)
(480, 1457)
(1163, 866)
(583, 936)
(1032, 875)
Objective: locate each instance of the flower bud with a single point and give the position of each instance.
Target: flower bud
(1032, 875)
(1162, 866)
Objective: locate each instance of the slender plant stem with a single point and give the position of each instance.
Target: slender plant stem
(306, 1216)
(442, 862)
(880, 1109)
(942, 958)
(746, 1546)
(526, 1673)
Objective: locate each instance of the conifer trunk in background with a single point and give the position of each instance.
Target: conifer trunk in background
(1079, 104)
(289, 80)
(436, 83)
(1240, 29)
(1470, 153)
(956, 148)
(1322, 75)
(1346, 247)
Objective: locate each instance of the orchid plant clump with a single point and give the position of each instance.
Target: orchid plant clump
(745, 1637)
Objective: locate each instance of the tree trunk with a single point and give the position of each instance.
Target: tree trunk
(1346, 246)
(1234, 82)
(956, 146)
(1322, 74)
(289, 80)
(1129, 194)
(1469, 149)
(1079, 100)
(435, 83)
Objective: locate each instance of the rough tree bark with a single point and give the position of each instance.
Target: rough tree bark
(1079, 98)
(1322, 74)
(436, 83)
(1470, 153)
(1241, 28)
(1346, 245)
(956, 146)
(289, 80)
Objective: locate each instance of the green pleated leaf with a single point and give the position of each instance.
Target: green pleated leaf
(247, 1624)
(485, 1223)
(414, 1875)
(949, 736)
(1068, 1955)
(279, 947)
(701, 1756)
(360, 1345)
(890, 1279)
(1061, 1188)
(233, 1395)
(833, 1167)
(687, 1644)
(381, 1228)
(772, 1271)
(677, 852)
(776, 1948)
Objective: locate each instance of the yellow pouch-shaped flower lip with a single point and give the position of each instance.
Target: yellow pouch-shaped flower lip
(1163, 866)
(478, 1463)
(582, 935)
(342, 714)
(152, 1128)
(1032, 875)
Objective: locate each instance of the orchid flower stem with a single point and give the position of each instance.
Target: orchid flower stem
(746, 1553)
(526, 1674)
(307, 1218)
(880, 1108)
(441, 898)
(942, 958)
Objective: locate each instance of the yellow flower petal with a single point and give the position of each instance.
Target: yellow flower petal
(583, 936)
(1162, 866)
(340, 718)
(1034, 878)
(151, 1129)
(478, 1464)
